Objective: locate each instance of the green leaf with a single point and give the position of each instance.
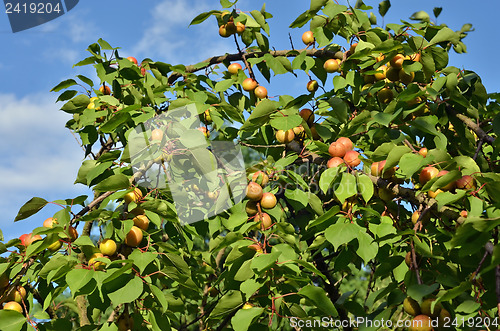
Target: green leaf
(417, 291)
(115, 121)
(298, 196)
(264, 262)
(347, 187)
(64, 84)
(281, 122)
(77, 104)
(445, 34)
(420, 16)
(30, 208)
(437, 11)
(341, 233)
(11, 320)
(318, 296)
(367, 249)
(383, 7)
(365, 187)
(259, 115)
(229, 302)
(78, 278)
(202, 17)
(243, 318)
(158, 294)
(142, 259)
(113, 183)
(224, 85)
(129, 292)
(395, 155)
(86, 167)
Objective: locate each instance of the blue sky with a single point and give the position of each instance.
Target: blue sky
(39, 157)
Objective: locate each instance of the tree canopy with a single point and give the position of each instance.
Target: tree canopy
(370, 199)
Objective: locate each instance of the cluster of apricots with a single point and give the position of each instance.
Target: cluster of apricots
(258, 199)
(426, 316)
(228, 27)
(342, 152)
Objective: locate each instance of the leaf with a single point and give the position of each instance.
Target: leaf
(78, 278)
(298, 196)
(259, 115)
(158, 294)
(202, 17)
(263, 262)
(347, 187)
(395, 155)
(64, 84)
(223, 85)
(11, 320)
(318, 296)
(229, 302)
(243, 318)
(129, 292)
(367, 249)
(383, 7)
(342, 233)
(76, 105)
(115, 121)
(365, 187)
(30, 208)
(420, 16)
(142, 259)
(113, 183)
(417, 291)
(445, 34)
(285, 122)
(437, 11)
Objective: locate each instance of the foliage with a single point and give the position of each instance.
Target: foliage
(339, 236)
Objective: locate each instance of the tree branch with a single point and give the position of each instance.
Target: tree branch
(323, 53)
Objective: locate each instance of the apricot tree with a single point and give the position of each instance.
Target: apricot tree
(372, 194)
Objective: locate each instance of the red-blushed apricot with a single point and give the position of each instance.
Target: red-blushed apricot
(249, 84)
(251, 208)
(134, 237)
(307, 115)
(312, 86)
(307, 37)
(133, 196)
(335, 162)
(349, 146)
(332, 65)
(12, 305)
(397, 61)
(49, 222)
(264, 219)
(141, 221)
(421, 323)
(132, 59)
(108, 247)
(254, 191)
(256, 247)
(427, 174)
(104, 89)
(337, 149)
(284, 137)
(268, 200)
(260, 92)
(234, 68)
(423, 151)
(351, 158)
(260, 177)
(466, 183)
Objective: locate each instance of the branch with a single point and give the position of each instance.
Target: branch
(323, 53)
(471, 125)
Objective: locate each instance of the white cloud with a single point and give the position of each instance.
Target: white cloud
(39, 156)
(169, 20)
